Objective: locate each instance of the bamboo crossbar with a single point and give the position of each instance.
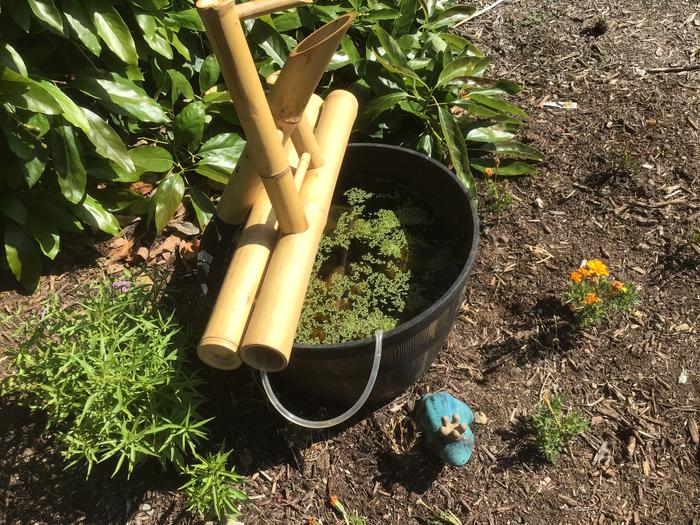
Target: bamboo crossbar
(256, 8)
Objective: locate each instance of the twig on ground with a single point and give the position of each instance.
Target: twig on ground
(479, 13)
(674, 69)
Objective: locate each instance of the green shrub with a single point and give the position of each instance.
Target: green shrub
(93, 99)
(555, 429)
(110, 375)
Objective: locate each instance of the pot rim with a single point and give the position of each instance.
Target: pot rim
(301, 349)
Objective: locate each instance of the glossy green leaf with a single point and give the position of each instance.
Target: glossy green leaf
(505, 168)
(499, 105)
(33, 168)
(209, 73)
(114, 32)
(20, 142)
(37, 124)
(219, 156)
(270, 41)
(104, 169)
(154, 34)
(22, 256)
(392, 51)
(68, 163)
(203, 207)
(81, 25)
(189, 126)
(462, 67)
(45, 10)
(513, 149)
(179, 86)
(453, 16)
(457, 150)
(426, 144)
(12, 207)
(180, 47)
(489, 134)
(403, 23)
(115, 199)
(10, 58)
(123, 96)
(460, 44)
(94, 214)
(45, 232)
(107, 143)
(151, 159)
(26, 93)
(379, 105)
(69, 109)
(167, 199)
(187, 18)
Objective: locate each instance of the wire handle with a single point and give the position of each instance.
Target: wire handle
(308, 423)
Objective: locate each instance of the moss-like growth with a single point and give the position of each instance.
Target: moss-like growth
(375, 267)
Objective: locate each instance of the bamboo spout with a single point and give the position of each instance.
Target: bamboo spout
(269, 337)
(304, 68)
(243, 83)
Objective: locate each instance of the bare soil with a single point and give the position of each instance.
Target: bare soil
(621, 183)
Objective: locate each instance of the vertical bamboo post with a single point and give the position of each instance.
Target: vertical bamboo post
(269, 337)
(222, 337)
(243, 83)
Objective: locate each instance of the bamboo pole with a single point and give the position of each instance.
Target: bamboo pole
(222, 337)
(258, 8)
(243, 83)
(268, 340)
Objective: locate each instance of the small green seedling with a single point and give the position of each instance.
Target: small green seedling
(211, 490)
(350, 519)
(554, 428)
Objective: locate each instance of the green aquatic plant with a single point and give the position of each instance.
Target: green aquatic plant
(376, 266)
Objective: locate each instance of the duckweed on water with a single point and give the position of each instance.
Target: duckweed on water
(380, 262)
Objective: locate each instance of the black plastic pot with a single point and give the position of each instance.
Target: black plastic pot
(339, 372)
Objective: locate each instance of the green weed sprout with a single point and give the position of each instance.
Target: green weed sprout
(594, 295)
(349, 519)
(211, 489)
(555, 429)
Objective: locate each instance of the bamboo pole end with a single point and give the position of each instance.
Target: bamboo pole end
(263, 357)
(219, 352)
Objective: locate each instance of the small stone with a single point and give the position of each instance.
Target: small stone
(683, 377)
(480, 418)
(539, 203)
(146, 507)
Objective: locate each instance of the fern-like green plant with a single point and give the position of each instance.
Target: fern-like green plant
(554, 428)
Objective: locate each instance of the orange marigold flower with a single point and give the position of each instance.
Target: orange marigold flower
(597, 267)
(488, 172)
(585, 272)
(591, 298)
(576, 276)
(619, 286)
(333, 500)
(313, 521)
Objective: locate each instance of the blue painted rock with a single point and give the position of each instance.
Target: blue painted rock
(444, 422)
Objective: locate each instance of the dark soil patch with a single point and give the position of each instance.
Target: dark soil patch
(620, 183)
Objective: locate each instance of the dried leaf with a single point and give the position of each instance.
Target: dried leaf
(168, 246)
(142, 188)
(120, 249)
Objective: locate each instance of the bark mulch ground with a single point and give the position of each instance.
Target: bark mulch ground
(621, 183)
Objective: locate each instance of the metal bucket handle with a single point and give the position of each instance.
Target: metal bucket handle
(308, 423)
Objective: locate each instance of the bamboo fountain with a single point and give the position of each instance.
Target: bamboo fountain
(281, 189)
